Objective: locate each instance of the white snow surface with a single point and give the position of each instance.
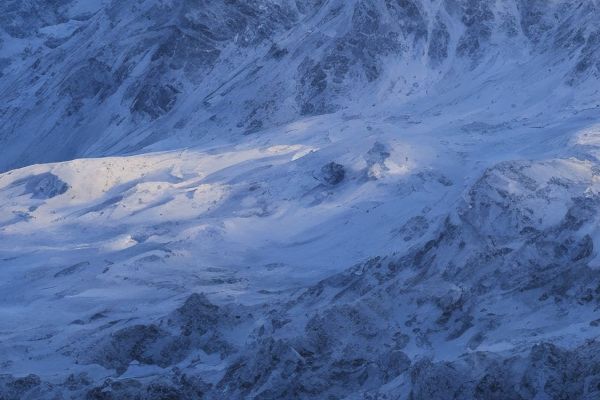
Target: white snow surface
(124, 235)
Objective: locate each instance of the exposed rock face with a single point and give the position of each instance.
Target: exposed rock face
(376, 330)
(196, 325)
(479, 277)
(245, 66)
(43, 186)
(333, 173)
(497, 245)
(449, 289)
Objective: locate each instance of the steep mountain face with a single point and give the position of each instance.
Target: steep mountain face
(272, 199)
(91, 78)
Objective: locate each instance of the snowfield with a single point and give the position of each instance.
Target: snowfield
(303, 200)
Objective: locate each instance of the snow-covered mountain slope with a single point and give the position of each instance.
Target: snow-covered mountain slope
(94, 78)
(300, 199)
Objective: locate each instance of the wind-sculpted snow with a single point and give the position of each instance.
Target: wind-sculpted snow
(391, 199)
